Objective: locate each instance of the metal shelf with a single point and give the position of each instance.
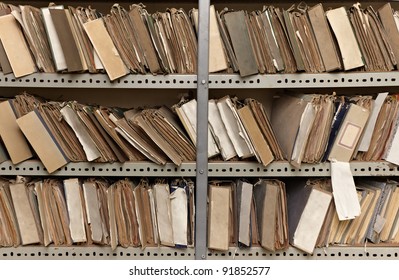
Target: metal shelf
(216, 81)
(36, 168)
(165, 253)
(86, 80)
(188, 169)
(328, 253)
(306, 80)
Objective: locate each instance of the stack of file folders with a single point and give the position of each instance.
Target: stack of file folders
(93, 211)
(301, 212)
(243, 214)
(125, 40)
(313, 220)
(61, 132)
(321, 128)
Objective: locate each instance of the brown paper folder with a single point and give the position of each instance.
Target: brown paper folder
(105, 48)
(14, 140)
(16, 47)
(262, 148)
(285, 119)
(42, 141)
(219, 217)
(324, 38)
(10, 229)
(62, 23)
(388, 21)
(271, 214)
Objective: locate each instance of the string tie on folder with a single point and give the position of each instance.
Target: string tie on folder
(302, 7)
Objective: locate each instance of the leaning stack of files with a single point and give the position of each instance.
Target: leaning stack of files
(377, 223)
(76, 132)
(68, 39)
(300, 38)
(93, 211)
(244, 214)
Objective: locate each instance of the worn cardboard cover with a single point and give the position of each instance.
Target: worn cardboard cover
(42, 141)
(14, 140)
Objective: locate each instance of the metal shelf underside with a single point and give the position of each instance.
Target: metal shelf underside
(188, 169)
(216, 81)
(165, 253)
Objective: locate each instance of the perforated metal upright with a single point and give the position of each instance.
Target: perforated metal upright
(202, 131)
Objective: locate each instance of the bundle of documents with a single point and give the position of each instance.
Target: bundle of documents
(74, 211)
(247, 214)
(377, 222)
(130, 40)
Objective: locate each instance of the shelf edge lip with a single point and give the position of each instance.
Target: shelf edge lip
(216, 80)
(87, 80)
(188, 169)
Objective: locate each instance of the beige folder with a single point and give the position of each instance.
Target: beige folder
(348, 45)
(15, 46)
(219, 217)
(163, 212)
(24, 213)
(14, 140)
(74, 200)
(44, 144)
(217, 56)
(105, 48)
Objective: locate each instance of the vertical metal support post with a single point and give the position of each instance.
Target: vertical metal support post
(202, 131)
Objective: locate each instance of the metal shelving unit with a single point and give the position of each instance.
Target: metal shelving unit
(201, 169)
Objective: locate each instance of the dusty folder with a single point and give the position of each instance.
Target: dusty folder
(234, 127)
(271, 214)
(55, 44)
(163, 210)
(307, 209)
(262, 149)
(237, 28)
(81, 132)
(219, 131)
(74, 200)
(105, 48)
(61, 19)
(244, 194)
(143, 36)
(217, 56)
(343, 31)
(13, 138)
(388, 21)
(187, 112)
(324, 38)
(349, 133)
(219, 216)
(7, 214)
(44, 144)
(288, 107)
(15, 46)
(24, 213)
